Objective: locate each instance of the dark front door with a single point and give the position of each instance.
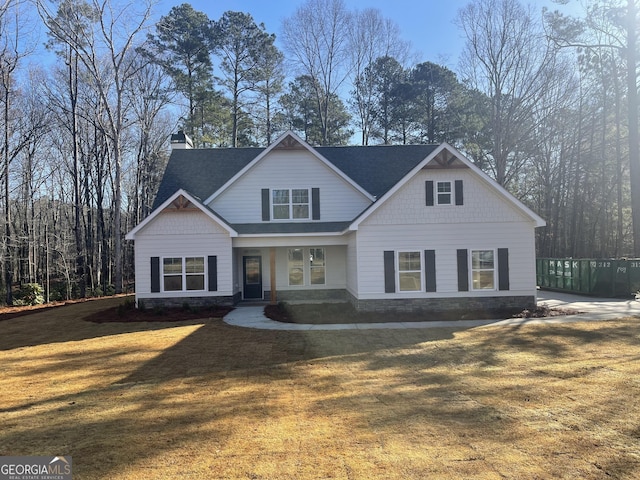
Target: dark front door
(252, 272)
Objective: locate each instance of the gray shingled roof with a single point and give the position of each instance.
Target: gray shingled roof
(203, 171)
(376, 168)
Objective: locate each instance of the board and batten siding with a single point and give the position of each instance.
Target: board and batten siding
(373, 241)
(182, 234)
(242, 201)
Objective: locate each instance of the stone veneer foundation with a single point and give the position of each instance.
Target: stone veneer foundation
(460, 305)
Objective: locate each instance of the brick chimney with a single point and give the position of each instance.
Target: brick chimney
(180, 141)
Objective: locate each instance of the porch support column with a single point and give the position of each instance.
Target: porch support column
(272, 269)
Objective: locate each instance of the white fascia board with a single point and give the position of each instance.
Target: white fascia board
(131, 235)
(364, 215)
(539, 222)
(285, 235)
(273, 145)
(537, 219)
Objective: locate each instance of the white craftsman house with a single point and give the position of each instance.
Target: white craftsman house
(405, 227)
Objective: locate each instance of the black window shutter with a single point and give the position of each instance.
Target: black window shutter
(266, 207)
(503, 269)
(463, 271)
(315, 204)
(459, 194)
(155, 274)
(428, 185)
(212, 264)
(430, 270)
(389, 272)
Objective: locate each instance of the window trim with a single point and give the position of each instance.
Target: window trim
(494, 270)
(289, 267)
(451, 193)
(306, 267)
(291, 205)
(318, 267)
(183, 273)
(399, 272)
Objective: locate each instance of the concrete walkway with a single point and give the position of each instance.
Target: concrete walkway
(592, 309)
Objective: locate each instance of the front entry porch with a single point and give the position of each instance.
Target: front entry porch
(291, 273)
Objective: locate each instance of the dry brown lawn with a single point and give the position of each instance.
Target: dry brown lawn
(204, 400)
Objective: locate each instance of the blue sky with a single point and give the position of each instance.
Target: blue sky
(427, 24)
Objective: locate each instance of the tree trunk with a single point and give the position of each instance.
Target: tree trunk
(632, 104)
(7, 204)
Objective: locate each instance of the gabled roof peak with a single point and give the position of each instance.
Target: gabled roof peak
(183, 201)
(289, 142)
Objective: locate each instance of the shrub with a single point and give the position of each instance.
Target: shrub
(29, 294)
(110, 290)
(125, 307)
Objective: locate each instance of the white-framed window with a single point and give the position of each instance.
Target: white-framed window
(290, 203)
(183, 274)
(410, 271)
(443, 193)
(295, 259)
(483, 269)
(303, 262)
(317, 266)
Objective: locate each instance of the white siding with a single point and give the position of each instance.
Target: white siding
(405, 223)
(242, 202)
(179, 234)
(446, 240)
(481, 203)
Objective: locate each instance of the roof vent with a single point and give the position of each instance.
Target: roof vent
(180, 141)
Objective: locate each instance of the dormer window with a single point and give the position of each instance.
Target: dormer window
(290, 204)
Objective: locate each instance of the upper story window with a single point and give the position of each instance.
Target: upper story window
(444, 193)
(290, 204)
(443, 196)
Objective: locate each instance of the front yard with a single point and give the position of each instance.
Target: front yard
(201, 399)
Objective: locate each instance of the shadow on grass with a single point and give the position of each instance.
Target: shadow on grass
(66, 324)
(217, 380)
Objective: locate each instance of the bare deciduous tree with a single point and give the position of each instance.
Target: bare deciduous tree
(371, 37)
(114, 32)
(505, 57)
(317, 37)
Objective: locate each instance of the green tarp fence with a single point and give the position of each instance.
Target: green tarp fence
(590, 276)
